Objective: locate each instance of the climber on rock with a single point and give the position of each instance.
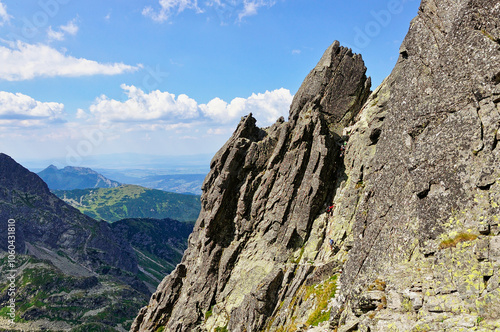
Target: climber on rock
(342, 149)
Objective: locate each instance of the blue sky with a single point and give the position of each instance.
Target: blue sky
(169, 77)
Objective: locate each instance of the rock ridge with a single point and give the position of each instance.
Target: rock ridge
(413, 240)
(261, 197)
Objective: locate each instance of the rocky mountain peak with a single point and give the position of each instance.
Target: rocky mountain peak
(411, 237)
(261, 197)
(337, 85)
(71, 177)
(17, 177)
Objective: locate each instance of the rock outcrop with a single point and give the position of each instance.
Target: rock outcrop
(413, 241)
(264, 191)
(423, 161)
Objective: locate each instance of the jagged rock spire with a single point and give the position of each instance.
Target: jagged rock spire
(264, 191)
(338, 86)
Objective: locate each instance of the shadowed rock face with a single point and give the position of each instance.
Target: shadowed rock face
(437, 117)
(261, 197)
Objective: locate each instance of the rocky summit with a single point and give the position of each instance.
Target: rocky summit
(399, 232)
(260, 201)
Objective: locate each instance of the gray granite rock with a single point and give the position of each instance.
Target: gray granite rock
(264, 191)
(417, 185)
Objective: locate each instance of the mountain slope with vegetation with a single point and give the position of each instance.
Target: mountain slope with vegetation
(71, 269)
(130, 201)
(50, 298)
(71, 177)
(161, 179)
(74, 273)
(159, 245)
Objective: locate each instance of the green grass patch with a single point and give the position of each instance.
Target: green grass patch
(301, 253)
(209, 313)
(323, 292)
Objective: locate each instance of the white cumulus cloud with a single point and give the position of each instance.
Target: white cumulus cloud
(22, 110)
(157, 109)
(55, 35)
(143, 107)
(23, 61)
(69, 29)
(266, 107)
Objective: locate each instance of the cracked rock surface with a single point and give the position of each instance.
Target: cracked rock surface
(264, 191)
(413, 241)
(430, 190)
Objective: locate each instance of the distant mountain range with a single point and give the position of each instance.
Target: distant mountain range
(179, 164)
(70, 178)
(131, 201)
(155, 179)
(73, 272)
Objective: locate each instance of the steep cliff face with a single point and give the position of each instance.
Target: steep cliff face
(423, 160)
(261, 197)
(415, 241)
